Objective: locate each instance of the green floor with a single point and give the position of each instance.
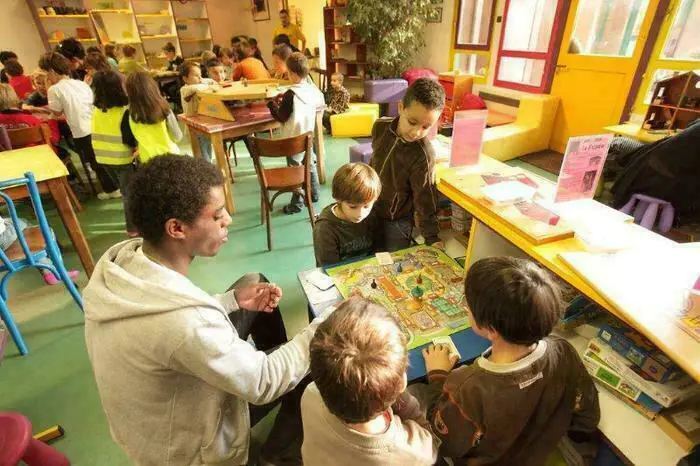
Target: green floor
(54, 383)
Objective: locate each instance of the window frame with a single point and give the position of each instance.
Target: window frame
(550, 56)
(456, 45)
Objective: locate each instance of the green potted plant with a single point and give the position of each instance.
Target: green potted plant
(393, 31)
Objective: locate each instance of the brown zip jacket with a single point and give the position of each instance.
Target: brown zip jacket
(406, 170)
(513, 414)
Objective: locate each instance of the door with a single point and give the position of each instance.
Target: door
(600, 52)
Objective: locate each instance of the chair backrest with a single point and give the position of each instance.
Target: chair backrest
(29, 136)
(322, 78)
(35, 198)
(286, 147)
(5, 143)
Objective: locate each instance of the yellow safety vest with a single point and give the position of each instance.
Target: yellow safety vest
(153, 140)
(107, 137)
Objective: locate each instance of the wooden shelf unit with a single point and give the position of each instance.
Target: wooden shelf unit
(675, 103)
(345, 52)
(149, 23)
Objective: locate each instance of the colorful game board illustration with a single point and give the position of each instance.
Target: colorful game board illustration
(424, 288)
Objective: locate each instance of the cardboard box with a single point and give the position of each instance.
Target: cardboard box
(667, 394)
(682, 423)
(611, 379)
(639, 350)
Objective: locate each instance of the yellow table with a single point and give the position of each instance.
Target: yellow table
(635, 132)
(493, 235)
(50, 174)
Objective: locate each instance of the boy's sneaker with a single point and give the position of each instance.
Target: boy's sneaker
(113, 195)
(291, 209)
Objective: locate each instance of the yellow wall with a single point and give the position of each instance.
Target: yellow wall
(438, 41)
(19, 33)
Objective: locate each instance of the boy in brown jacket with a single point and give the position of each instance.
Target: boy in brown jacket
(514, 403)
(357, 410)
(405, 161)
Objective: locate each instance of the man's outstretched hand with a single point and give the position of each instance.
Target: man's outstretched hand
(262, 297)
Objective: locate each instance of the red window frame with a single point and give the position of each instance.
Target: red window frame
(550, 56)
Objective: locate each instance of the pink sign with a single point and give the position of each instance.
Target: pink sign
(582, 166)
(467, 136)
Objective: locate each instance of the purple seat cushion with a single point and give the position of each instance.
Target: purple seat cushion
(384, 91)
(361, 152)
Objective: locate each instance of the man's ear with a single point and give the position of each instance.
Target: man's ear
(175, 228)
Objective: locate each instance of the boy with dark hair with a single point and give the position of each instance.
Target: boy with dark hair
(174, 60)
(178, 381)
(215, 70)
(6, 55)
(73, 50)
(544, 391)
(405, 161)
(21, 83)
(338, 99)
(345, 229)
(297, 113)
(357, 410)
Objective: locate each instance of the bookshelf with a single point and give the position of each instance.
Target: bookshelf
(345, 52)
(156, 26)
(675, 103)
(193, 28)
(146, 24)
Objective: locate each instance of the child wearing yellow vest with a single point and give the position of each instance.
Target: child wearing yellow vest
(151, 122)
(114, 150)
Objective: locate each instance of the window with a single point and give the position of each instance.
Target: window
(474, 24)
(608, 27)
(683, 41)
(526, 53)
(472, 64)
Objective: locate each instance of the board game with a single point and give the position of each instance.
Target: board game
(424, 288)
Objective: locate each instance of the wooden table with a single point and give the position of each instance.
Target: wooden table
(50, 174)
(636, 132)
(251, 119)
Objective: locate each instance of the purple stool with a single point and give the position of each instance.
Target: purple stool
(386, 91)
(645, 210)
(361, 152)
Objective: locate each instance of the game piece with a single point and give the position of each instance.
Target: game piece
(374, 284)
(447, 341)
(417, 292)
(419, 279)
(436, 307)
(399, 268)
(384, 258)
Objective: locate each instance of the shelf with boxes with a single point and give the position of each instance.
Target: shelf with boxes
(675, 103)
(345, 52)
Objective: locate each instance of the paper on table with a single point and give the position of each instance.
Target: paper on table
(582, 167)
(467, 137)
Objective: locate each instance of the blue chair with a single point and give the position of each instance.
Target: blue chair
(32, 245)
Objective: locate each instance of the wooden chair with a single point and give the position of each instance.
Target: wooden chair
(36, 135)
(295, 179)
(4, 140)
(322, 78)
(230, 146)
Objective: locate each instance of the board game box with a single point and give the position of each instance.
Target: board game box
(424, 288)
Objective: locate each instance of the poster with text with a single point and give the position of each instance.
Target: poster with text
(582, 166)
(467, 137)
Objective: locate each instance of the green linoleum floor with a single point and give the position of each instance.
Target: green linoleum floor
(54, 383)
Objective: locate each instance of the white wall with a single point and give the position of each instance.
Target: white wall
(438, 39)
(19, 33)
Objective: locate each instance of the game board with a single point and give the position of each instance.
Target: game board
(438, 309)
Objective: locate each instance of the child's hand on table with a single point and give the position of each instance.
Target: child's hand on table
(263, 297)
(439, 245)
(438, 358)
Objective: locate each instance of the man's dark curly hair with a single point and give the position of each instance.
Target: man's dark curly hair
(427, 92)
(170, 186)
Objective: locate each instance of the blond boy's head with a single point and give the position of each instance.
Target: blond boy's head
(337, 80)
(359, 360)
(356, 187)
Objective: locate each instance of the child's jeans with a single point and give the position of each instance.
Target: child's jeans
(9, 236)
(123, 174)
(205, 147)
(297, 161)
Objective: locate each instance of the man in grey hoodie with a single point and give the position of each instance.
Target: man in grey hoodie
(178, 381)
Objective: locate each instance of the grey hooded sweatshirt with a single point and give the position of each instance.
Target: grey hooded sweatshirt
(174, 377)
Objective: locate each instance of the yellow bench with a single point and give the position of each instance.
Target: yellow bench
(530, 132)
(356, 122)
